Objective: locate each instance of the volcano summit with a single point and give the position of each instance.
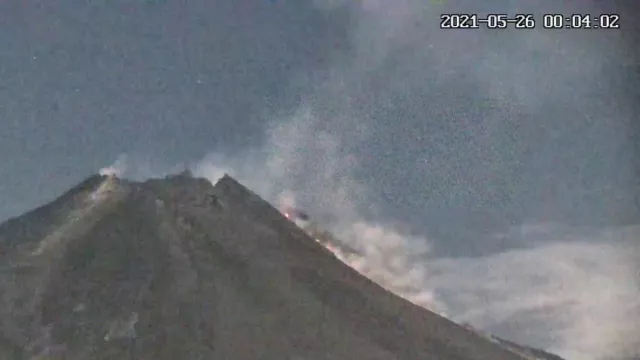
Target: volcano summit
(176, 268)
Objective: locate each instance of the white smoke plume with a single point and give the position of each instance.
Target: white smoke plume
(140, 167)
(118, 168)
(302, 164)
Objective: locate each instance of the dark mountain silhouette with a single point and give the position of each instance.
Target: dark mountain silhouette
(176, 268)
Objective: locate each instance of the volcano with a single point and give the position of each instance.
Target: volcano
(177, 268)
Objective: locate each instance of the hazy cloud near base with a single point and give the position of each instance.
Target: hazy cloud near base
(578, 299)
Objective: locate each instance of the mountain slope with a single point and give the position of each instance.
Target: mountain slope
(178, 268)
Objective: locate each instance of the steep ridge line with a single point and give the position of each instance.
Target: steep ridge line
(180, 268)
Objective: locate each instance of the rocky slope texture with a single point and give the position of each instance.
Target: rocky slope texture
(176, 268)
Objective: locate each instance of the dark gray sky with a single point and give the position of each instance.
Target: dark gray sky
(460, 133)
(82, 82)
